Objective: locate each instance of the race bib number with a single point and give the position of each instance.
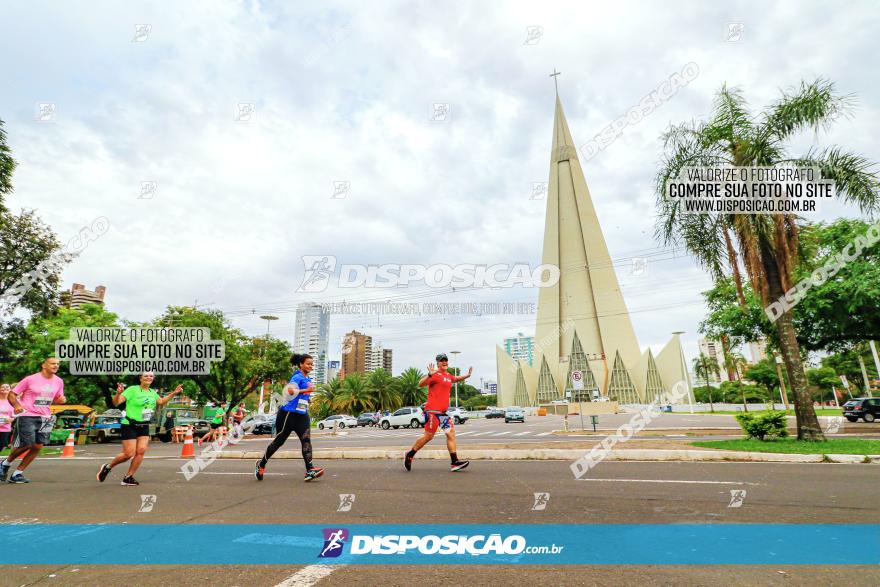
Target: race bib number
(3, 420)
(302, 405)
(43, 401)
(146, 415)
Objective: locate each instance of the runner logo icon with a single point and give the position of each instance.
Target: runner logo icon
(334, 540)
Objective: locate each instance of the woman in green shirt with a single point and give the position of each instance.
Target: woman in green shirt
(140, 406)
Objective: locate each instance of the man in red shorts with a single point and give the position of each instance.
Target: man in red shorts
(439, 382)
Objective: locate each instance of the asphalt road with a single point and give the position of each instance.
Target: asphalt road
(497, 492)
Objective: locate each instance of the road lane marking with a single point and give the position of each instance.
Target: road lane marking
(236, 473)
(522, 433)
(672, 481)
(501, 433)
(308, 576)
(544, 434)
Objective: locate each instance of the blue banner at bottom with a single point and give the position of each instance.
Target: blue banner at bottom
(538, 544)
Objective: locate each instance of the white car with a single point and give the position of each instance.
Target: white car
(458, 415)
(340, 420)
(406, 417)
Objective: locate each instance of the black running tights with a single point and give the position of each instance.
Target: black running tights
(285, 423)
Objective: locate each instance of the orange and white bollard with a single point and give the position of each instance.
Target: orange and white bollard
(68, 446)
(188, 450)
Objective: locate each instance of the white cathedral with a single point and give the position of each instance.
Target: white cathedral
(583, 323)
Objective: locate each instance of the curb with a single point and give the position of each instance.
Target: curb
(557, 454)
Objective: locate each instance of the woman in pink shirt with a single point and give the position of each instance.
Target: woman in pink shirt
(7, 414)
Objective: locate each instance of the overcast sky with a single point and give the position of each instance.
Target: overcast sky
(345, 92)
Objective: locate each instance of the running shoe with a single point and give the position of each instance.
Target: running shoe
(259, 471)
(103, 472)
(407, 462)
(313, 473)
(4, 471)
(129, 481)
(17, 477)
(459, 465)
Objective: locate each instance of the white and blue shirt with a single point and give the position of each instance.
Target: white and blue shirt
(299, 403)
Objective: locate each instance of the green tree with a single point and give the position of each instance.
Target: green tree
(846, 363)
(7, 167)
(407, 385)
(355, 395)
(383, 395)
(823, 380)
(323, 400)
(37, 341)
(843, 310)
(248, 361)
(763, 373)
(705, 366)
(767, 244)
(32, 263)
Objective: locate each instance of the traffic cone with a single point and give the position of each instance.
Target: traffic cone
(68, 446)
(189, 450)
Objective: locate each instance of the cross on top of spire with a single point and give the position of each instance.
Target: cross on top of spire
(553, 75)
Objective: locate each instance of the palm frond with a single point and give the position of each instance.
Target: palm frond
(730, 116)
(813, 105)
(855, 178)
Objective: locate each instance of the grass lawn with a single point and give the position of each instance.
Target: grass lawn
(46, 451)
(843, 446)
(755, 410)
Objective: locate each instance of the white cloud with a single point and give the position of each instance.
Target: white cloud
(344, 92)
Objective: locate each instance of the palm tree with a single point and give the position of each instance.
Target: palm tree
(734, 362)
(324, 400)
(382, 392)
(705, 366)
(407, 385)
(767, 244)
(355, 395)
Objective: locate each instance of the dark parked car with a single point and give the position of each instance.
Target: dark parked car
(495, 413)
(263, 427)
(866, 408)
(368, 419)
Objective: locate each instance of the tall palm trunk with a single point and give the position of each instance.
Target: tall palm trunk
(807, 422)
(734, 268)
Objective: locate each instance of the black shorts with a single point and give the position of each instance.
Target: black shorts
(31, 430)
(134, 431)
(215, 426)
(4, 439)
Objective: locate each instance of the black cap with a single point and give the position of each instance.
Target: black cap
(441, 357)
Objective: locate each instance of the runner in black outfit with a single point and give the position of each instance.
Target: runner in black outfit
(294, 417)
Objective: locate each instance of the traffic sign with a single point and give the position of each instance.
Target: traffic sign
(577, 379)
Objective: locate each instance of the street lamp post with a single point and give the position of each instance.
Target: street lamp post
(454, 355)
(268, 320)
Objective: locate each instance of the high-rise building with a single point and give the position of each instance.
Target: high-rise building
(380, 358)
(520, 347)
(79, 296)
(715, 352)
(582, 322)
(357, 353)
(311, 336)
(758, 350)
(333, 370)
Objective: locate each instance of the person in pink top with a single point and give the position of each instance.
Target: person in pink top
(7, 415)
(31, 400)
